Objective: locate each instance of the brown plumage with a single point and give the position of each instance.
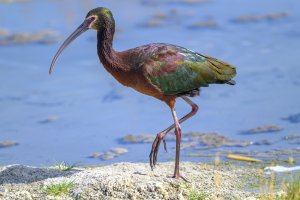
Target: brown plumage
(163, 71)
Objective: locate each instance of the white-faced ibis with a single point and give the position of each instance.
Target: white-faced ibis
(163, 71)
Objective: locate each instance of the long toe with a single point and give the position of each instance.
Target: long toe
(182, 177)
(154, 144)
(156, 152)
(150, 160)
(165, 145)
(155, 148)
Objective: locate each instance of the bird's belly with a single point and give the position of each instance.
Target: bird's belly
(143, 86)
(139, 83)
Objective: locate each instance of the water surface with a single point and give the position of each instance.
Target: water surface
(93, 111)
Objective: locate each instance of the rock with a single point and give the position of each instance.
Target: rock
(3, 32)
(173, 17)
(204, 24)
(188, 2)
(192, 2)
(216, 140)
(95, 155)
(49, 119)
(160, 16)
(292, 136)
(16, 174)
(281, 152)
(138, 138)
(256, 18)
(107, 156)
(152, 23)
(188, 145)
(130, 181)
(293, 118)
(12, 1)
(118, 150)
(200, 155)
(262, 142)
(41, 37)
(247, 18)
(265, 129)
(276, 15)
(8, 143)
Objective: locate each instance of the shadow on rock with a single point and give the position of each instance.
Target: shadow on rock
(26, 174)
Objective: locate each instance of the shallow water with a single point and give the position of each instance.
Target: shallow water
(93, 111)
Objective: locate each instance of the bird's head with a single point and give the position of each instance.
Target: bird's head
(97, 19)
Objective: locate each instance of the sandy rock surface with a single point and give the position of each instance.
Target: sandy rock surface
(129, 181)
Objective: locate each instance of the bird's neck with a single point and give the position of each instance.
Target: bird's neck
(106, 53)
(111, 60)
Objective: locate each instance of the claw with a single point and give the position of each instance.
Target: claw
(150, 159)
(154, 144)
(155, 148)
(165, 146)
(179, 176)
(156, 152)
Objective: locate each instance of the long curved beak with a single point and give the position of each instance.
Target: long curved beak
(81, 29)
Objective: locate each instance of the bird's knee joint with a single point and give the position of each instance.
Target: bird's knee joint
(178, 128)
(195, 108)
(160, 136)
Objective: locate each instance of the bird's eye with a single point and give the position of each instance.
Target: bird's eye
(90, 19)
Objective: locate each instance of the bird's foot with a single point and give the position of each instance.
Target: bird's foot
(177, 176)
(155, 148)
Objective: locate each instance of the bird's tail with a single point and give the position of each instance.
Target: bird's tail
(223, 71)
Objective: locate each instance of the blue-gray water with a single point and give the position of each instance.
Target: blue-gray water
(94, 111)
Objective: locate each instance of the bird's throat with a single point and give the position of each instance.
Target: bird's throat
(106, 53)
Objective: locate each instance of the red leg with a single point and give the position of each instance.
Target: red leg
(160, 136)
(178, 141)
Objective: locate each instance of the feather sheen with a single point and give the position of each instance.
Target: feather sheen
(177, 70)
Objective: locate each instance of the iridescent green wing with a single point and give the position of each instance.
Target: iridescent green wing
(176, 70)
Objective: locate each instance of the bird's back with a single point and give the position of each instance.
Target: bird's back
(176, 70)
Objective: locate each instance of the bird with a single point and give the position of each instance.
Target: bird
(163, 71)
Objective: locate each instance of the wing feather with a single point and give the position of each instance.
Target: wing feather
(178, 70)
